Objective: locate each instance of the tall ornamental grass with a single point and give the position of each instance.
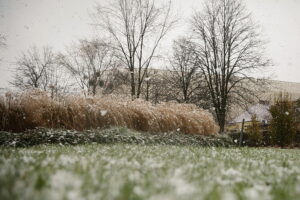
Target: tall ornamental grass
(31, 109)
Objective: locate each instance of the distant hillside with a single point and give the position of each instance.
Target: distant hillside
(275, 87)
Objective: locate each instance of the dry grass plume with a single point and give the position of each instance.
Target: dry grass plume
(28, 110)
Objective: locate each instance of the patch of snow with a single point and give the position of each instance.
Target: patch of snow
(66, 160)
(138, 190)
(287, 113)
(182, 187)
(65, 184)
(231, 172)
(251, 193)
(13, 143)
(151, 163)
(227, 195)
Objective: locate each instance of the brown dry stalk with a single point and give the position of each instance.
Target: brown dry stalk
(31, 109)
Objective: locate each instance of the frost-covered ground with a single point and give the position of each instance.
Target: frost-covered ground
(148, 172)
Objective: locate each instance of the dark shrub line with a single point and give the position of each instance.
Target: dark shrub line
(41, 136)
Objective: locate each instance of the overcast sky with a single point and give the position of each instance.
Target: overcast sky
(58, 23)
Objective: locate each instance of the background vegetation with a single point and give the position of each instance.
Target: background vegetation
(283, 125)
(19, 112)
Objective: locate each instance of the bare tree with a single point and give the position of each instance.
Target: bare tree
(32, 66)
(58, 80)
(156, 89)
(40, 70)
(183, 77)
(137, 27)
(117, 81)
(88, 62)
(229, 52)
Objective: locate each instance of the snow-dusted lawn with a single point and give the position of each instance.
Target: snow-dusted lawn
(148, 172)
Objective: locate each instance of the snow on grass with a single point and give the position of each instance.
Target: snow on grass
(66, 185)
(148, 172)
(181, 186)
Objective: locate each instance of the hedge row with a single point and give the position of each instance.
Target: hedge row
(113, 135)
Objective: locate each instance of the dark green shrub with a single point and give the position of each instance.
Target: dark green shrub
(283, 126)
(255, 137)
(110, 135)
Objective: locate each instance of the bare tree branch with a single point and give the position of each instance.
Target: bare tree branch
(137, 27)
(229, 52)
(40, 70)
(88, 63)
(184, 80)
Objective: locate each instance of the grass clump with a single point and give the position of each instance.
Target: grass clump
(28, 110)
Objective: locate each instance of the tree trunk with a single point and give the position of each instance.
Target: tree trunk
(185, 96)
(147, 91)
(221, 120)
(138, 93)
(94, 89)
(132, 84)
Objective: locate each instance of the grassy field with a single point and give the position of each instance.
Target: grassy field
(123, 171)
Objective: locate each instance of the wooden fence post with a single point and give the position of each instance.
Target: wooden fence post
(242, 133)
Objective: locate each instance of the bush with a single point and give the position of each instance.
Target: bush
(254, 133)
(19, 112)
(44, 136)
(283, 126)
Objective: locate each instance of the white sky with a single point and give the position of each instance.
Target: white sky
(58, 23)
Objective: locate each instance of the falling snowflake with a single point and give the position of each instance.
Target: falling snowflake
(287, 113)
(103, 112)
